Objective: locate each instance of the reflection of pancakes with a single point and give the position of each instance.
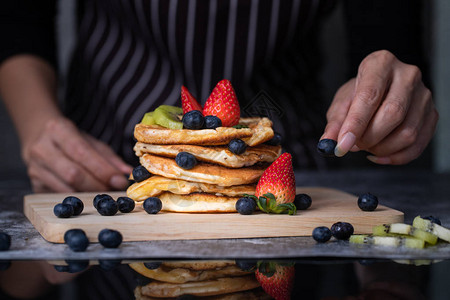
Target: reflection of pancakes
(259, 131)
(216, 154)
(156, 185)
(202, 172)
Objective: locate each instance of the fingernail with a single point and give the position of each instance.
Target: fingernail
(355, 149)
(379, 160)
(347, 142)
(118, 182)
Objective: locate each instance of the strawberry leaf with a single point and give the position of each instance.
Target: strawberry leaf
(262, 204)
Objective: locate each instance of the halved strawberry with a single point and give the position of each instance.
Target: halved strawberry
(223, 103)
(277, 280)
(188, 101)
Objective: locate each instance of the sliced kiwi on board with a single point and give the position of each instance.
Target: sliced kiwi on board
(404, 229)
(393, 241)
(433, 228)
(168, 116)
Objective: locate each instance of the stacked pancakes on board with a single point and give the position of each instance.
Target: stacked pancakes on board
(220, 176)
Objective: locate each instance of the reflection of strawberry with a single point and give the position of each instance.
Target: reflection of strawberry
(276, 280)
(188, 101)
(277, 183)
(223, 103)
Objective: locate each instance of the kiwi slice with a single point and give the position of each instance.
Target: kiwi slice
(404, 229)
(148, 119)
(393, 241)
(433, 228)
(168, 116)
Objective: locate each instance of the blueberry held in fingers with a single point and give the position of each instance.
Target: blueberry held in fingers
(76, 203)
(110, 238)
(125, 204)
(140, 173)
(326, 147)
(185, 160)
(63, 210)
(367, 202)
(76, 239)
(152, 205)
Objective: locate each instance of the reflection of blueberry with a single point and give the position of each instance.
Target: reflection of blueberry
(107, 207)
(141, 280)
(152, 265)
(125, 204)
(4, 265)
(276, 140)
(326, 147)
(212, 122)
(302, 201)
(193, 120)
(140, 173)
(76, 239)
(342, 230)
(433, 219)
(61, 268)
(76, 203)
(245, 206)
(321, 234)
(75, 266)
(63, 210)
(246, 265)
(186, 297)
(110, 238)
(367, 202)
(99, 197)
(237, 146)
(152, 205)
(5, 241)
(109, 264)
(185, 160)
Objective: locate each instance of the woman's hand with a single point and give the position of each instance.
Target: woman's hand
(386, 110)
(63, 159)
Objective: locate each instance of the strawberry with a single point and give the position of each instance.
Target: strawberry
(276, 280)
(223, 104)
(188, 101)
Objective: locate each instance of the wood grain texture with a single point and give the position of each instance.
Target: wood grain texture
(328, 206)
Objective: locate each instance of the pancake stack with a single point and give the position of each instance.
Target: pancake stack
(205, 279)
(220, 177)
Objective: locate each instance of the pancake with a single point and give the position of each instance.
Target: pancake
(259, 131)
(198, 203)
(215, 154)
(156, 185)
(200, 288)
(255, 294)
(183, 275)
(202, 172)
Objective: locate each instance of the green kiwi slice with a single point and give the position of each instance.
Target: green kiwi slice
(148, 119)
(168, 116)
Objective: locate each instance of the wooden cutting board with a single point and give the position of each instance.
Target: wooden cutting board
(328, 206)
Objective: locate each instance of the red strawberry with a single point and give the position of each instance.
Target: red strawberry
(223, 104)
(188, 101)
(276, 280)
(279, 180)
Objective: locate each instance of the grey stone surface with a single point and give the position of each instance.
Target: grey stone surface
(413, 192)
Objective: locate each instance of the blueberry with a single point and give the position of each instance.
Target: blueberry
(5, 241)
(63, 210)
(321, 234)
(193, 120)
(245, 206)
(100, 197)
(302, 201)
(61, 268)
(76, 239)
(342, 230)
(185, 160)
(152, 265)
(246, 265)
(76, 203)
(433, 219)
(152, 205)
(4, 265)
(140, 173)
(110, 238)
(237, 146)
(276, 140)
(109, 264)
(107, 207)
(125, 204)
(326, 147)
(367, 202)
(75, 266)
(212, 122)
